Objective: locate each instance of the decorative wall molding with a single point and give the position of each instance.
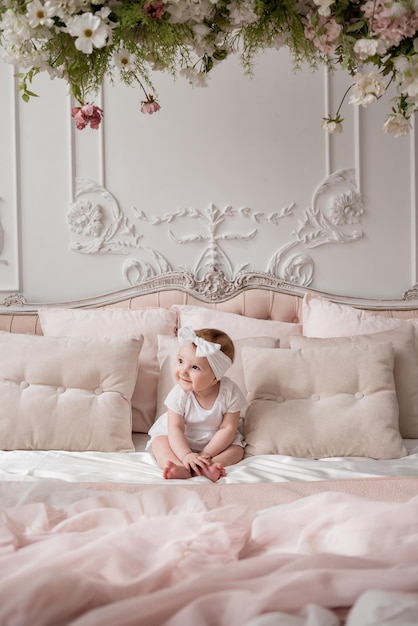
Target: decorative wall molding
(100, 226)
(2, 261)
(334, 217)
(10, 180)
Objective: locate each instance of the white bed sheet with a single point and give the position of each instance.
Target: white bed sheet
(141, 467)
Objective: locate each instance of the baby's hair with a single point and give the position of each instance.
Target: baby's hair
(218, 336)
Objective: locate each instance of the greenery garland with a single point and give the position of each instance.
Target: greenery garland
(84, 41)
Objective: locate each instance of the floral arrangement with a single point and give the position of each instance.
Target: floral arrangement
(84, 41)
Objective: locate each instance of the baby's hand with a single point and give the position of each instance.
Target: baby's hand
(194, 461)
(191, 462)
(205, 458)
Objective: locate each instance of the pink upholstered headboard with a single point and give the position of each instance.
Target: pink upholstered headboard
(261, 296)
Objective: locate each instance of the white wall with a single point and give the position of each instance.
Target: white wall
(164, 184)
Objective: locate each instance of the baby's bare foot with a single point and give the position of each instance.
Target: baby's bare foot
(214, 472)
(172, 470)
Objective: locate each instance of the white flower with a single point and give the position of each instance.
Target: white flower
(201, 31)
(397, 125)
(407, 75)
(40, 14)
(324, 7)
(190, 10)
(280, 41)
(396, 9)
(65, 8)
(195, 78)
(90, 31)
(401, 64)
(242, 12)
(367, 88)
(15, 28)
(124, 60)
(333, 127)
(365, 48)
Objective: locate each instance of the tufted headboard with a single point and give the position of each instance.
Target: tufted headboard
(257, 295)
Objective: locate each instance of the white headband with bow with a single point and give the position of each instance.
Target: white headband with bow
(218, 360)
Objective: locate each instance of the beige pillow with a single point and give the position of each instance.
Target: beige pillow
(117, 322)
(405, 368)
(236, 326)
(168, 348)
(322, 402)
(66, 393)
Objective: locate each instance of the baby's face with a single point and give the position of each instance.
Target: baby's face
(191, 372)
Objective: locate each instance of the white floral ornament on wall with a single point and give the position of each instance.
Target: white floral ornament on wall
(101, 227)
(84, 41)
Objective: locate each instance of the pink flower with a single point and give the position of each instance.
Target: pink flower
(323, 32)
(150, 105)
(87, 114)
(393, 21)
(154, 10)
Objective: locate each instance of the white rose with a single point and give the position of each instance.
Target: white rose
(397, 125)
(365, 48)
(367, 88)
(324, 5)
(401, 64)
(332, 127)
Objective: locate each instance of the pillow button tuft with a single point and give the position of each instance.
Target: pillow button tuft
(359, 395)
(279, 399)
(315, 397)
(24, 384)
(60, 389)
(98, 391)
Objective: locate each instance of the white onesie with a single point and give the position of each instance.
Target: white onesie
(201, 424)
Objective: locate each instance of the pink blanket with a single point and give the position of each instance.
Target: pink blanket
(162, 557)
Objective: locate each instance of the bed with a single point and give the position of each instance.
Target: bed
(317, 525)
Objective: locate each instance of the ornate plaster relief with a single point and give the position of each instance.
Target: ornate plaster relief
(100, 226)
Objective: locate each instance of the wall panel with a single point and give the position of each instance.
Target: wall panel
(10, 260)
(234, 174)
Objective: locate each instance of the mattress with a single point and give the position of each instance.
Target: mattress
(140, 467)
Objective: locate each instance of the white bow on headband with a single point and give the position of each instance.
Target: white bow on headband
(218, 360)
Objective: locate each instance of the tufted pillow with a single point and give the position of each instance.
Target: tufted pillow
(116, 322)
(236, 326)
(322, 402)
(405, 369)
(168, 348)
(66, 393)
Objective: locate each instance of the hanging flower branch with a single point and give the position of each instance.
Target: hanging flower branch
(84, 41)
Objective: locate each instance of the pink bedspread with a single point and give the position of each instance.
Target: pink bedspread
(162, 557)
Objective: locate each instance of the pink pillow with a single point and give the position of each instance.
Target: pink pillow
(118, 322)
(236, 326)
(323, 318)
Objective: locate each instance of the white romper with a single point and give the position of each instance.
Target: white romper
(201, 424)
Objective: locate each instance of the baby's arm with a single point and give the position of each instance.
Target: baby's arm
(176, 437)
(223, 438)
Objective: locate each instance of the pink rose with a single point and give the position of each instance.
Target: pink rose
(87, 114)
(150, 106)
(154, 10)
